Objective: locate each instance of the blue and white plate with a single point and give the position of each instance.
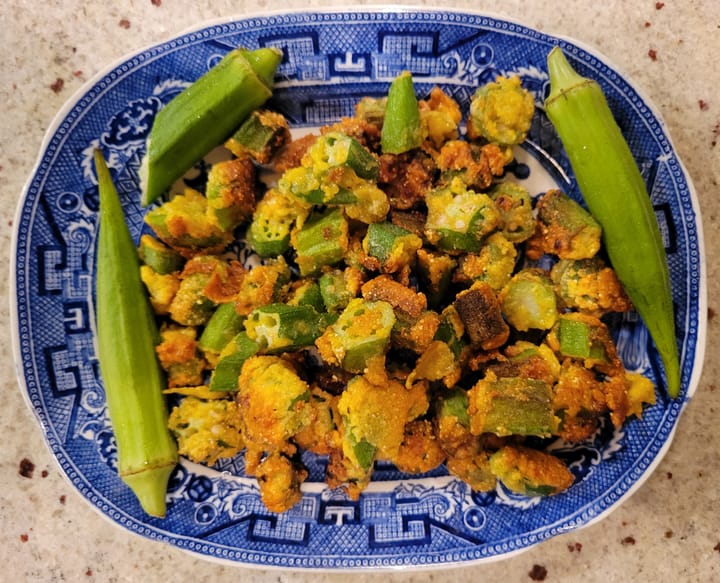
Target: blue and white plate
(331, 59)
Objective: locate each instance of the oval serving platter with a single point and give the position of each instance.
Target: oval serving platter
(332, 58)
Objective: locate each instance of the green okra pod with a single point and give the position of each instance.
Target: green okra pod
(131, 373)
(615, 193)
(204, 115)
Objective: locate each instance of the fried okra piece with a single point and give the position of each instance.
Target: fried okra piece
(419, 451)
(435, 272)
(477, 166)
(481, 315)
(530, 472)
(564, 229)
(161, 288)
(588, 285)
(528, 300)
(272, 399)
(443, 358)
(320, 432)
(263, 284)
(587, 339)
(466, 457)
(275, 217)
(360, 335)
(206, 430)
(158, 256)
(260, 136)
(322, 241)
(228, 365)
(279, 479)
(400, 297)
(512, 406)
(493, 264)
(406, 178)
(501, 112)
(184, 225)
(517, 222)
(231, 192)
(458, 218)
(440, 116)
(338, 287)
(221, 328)
(283, 327)
(191, 305)
(393, 247)
(179, 356)
(374, 417)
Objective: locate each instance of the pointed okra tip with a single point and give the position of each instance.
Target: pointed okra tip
(562, 75)
(150, 487)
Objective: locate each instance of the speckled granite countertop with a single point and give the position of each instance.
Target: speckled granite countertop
(669, 530)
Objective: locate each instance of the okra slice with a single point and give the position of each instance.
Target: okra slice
(393, 246)
(513, 201)
(190, 306)
(203, 115)
(223, 325)
(435, 271)
(581, 336)
(306, 292)
(530, 472)
(230, 192)
(227, 370)
(338, 287)
(361, 332)
(275, 216)
(481, 315)
(459, 218)
(282, 327)
(529, 301)
(501, 112)
(323, 240)
(334, 149)
(183, 224)
(158, 256)
(260, 136)
(565, 228)
(512, 406)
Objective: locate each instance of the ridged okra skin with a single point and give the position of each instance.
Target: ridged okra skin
(131, 373)
(204, 115)
(609, 180)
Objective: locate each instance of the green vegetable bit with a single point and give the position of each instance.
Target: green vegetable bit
(402, 129)
(131, 373)
(617, 197)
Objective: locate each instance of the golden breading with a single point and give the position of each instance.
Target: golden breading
(419, 451)
(400, 297)
(279, 481)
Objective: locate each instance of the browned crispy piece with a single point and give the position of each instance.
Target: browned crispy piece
(291, 155)
(420, 450)
(396, 294)
(406, 178)
(279, 480)
(481, 314)
(478, 165)
(366, 133)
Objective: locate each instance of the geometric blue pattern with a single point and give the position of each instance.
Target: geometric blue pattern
(331, 59)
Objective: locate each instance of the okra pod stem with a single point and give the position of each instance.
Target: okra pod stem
(615, 193)
(131, 373)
